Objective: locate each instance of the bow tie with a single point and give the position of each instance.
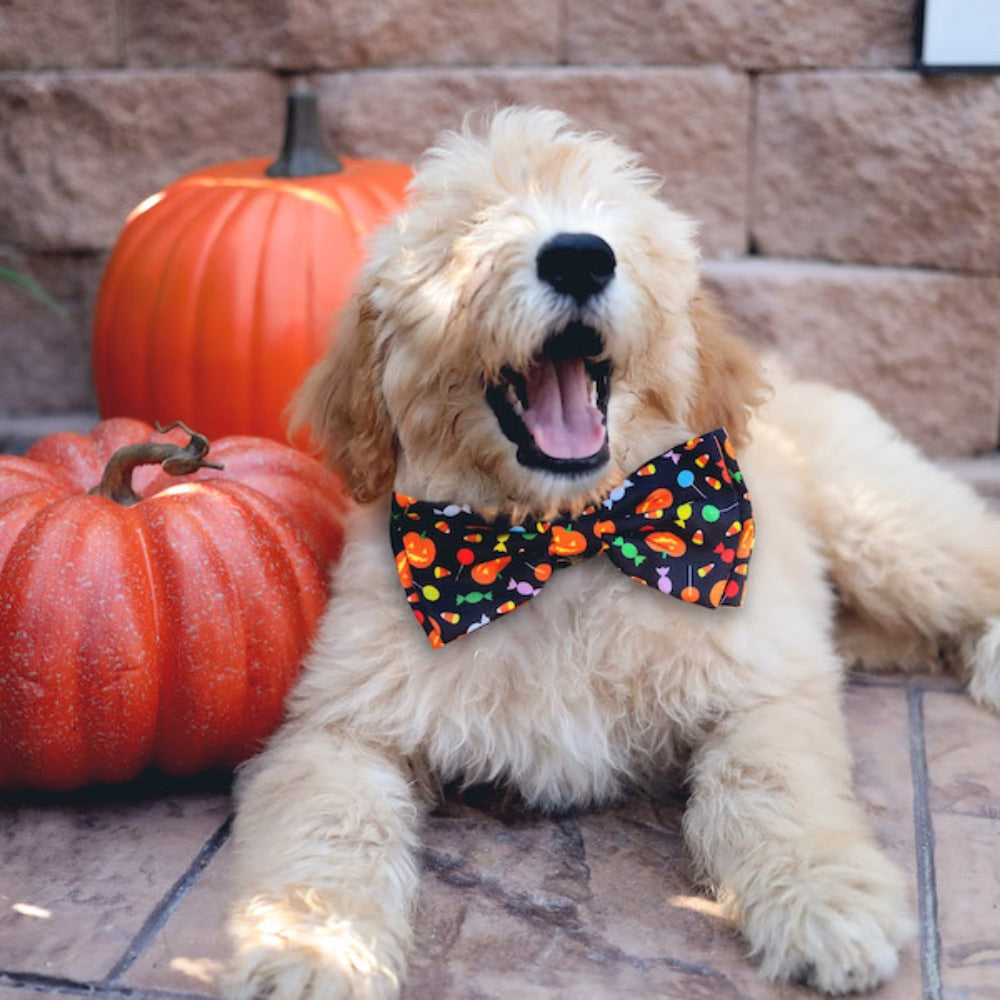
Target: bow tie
(682, 523)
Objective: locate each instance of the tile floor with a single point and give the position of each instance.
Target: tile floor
(120, 893)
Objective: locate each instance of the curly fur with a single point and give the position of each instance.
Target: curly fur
(598, 684)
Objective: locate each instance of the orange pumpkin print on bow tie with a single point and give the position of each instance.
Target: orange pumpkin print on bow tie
(420, 550)
(567, 542)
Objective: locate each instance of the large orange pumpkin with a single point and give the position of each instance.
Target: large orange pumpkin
(155, 620)
(222, 288)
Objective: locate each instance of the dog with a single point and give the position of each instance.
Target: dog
(529, 344)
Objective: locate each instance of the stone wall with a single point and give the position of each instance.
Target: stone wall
(849, 208)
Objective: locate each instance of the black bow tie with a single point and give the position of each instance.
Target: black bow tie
(682, 523)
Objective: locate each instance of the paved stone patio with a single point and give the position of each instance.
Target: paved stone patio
(120, 893)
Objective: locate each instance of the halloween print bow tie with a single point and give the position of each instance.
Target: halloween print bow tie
(682, 523)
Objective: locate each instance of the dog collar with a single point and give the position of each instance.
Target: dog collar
(681, 523)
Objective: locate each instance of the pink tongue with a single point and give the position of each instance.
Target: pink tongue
(560, 416)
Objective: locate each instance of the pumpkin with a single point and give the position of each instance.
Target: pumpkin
(566, 542)
(150, 620)
(221, 289)
(420, 550)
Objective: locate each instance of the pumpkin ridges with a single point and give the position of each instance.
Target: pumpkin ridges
(131, 337)
(289, 567)
(312, 494)
(236, 650)
(201, 376)
(321, 324)
(122, 318)
(16, 511)
(230, 714)
(74, 456)
(330, 229)
(202, 650)
(120, 688)
(27, 693)
(62, 578)
(364, 207)
(197, 377)
(259, 385)
(288, 331)
(318, 311)
(19, 475)
(180, 324)
(81, 458)
(16, 515)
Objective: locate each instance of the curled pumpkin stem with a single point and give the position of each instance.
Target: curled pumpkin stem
(175, 459)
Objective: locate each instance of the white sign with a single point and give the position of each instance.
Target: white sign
(960, 35)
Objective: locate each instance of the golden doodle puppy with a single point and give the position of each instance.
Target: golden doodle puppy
(562, 461)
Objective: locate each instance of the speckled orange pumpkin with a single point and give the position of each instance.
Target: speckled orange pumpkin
(153, 620)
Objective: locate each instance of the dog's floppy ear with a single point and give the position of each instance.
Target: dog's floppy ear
(341, 402)
(730, 381)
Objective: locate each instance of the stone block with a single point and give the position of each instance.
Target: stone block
(764, 36)
(886, 168)
(79, 151)
(44, 355)
(962, 782)
(77, 35)
(965, 860)
(922, 347)
(316, 34)
(226, 33)
(690, 125)
(97, 867)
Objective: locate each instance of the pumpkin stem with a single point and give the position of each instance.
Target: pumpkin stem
(303, 153)
(116, 483)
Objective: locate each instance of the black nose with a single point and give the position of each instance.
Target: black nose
(577, 264)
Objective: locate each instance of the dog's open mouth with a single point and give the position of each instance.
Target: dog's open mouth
(556, 411)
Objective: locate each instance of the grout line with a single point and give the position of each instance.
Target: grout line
(120, 14)
(34, 982)
(938, 683)
(750, 245)
(562, 41)
(164, 909)
(930, 938)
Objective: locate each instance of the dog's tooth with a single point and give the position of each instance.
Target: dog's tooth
(519, 388)
(515, 401)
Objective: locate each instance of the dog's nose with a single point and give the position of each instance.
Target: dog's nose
(576, 264)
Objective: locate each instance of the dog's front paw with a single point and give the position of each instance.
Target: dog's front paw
(295, 948)
(837, 928)
(984, 667)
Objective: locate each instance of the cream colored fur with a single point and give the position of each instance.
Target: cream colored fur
(598, 683)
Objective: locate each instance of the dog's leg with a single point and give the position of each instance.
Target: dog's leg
(773, 823)
(326, 875)
(914, 552)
